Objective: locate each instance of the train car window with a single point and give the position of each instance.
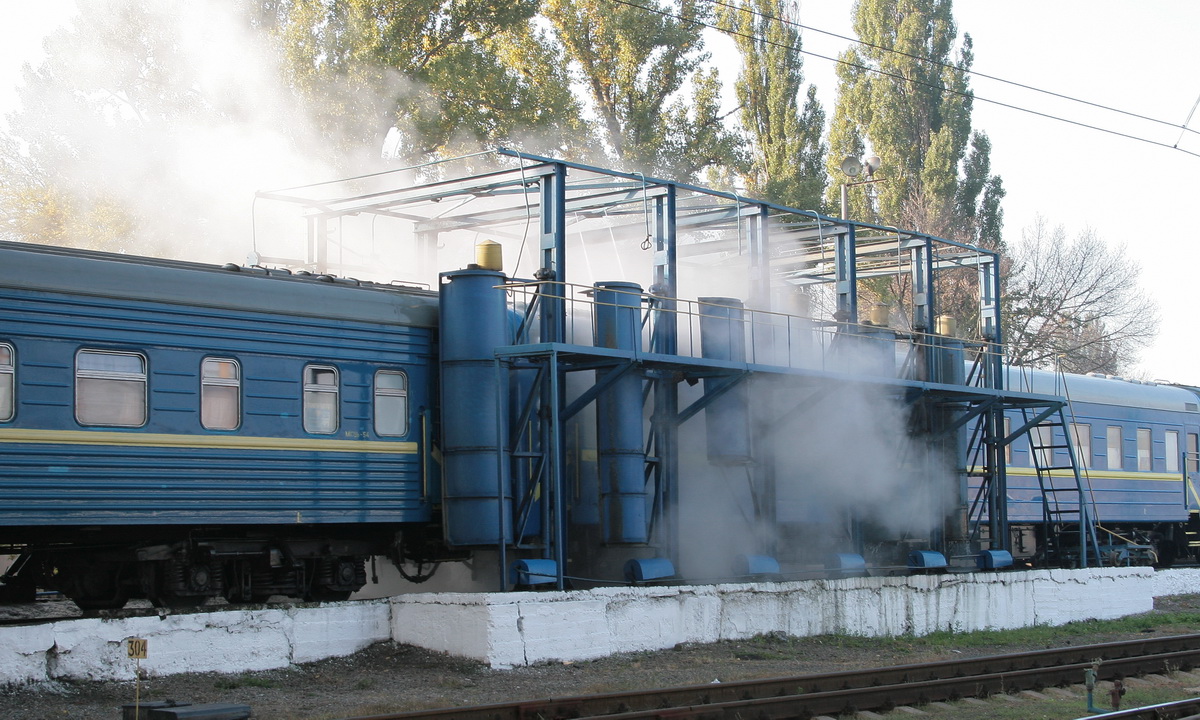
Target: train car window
(1081, 440)
(220, 394)
(320, 399)
(1171, 450)
(1143, 449)
(1193, 452)
(1041, 440)
(110, 388)
(8, 406)
(391, 403)
(1115, 457)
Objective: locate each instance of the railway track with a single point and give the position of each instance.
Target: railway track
(847, 692)
(1182, 710)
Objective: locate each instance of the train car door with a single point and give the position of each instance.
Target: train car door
(1191, 486)
(1191, 467)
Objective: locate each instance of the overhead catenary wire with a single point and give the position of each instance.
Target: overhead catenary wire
(951, 66)
(897, 76)
(1188, 121)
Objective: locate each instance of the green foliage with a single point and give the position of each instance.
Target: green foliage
(451, 76)
(634, 64)
(116, 74)
(787, 153)
(1045, 635)
(912, 108)
(233, 682)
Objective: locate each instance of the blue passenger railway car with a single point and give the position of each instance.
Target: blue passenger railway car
(179, 431)
(1136, 445)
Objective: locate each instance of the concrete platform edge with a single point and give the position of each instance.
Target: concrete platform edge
(508, 630)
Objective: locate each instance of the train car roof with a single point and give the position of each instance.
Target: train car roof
(1103, 390)
(85, 272)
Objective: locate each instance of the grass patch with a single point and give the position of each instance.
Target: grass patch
(1182, 622)
(242, 681)
(776, 646)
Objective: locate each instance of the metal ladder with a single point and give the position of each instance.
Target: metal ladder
(1066, 500)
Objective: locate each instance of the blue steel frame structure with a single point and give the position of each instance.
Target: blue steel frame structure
(781, 246)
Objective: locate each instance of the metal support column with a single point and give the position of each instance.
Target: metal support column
(557, 499)
(921, 259)
(553, 275)
(666, 399)
(763, 337)
(993, 378)
(846, 280)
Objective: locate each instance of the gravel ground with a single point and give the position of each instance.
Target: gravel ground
(390, 678)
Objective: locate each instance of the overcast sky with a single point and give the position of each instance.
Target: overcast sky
(1143, 57)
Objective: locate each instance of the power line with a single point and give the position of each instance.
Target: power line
(1189, 118)
(897, 76)
(939, 63)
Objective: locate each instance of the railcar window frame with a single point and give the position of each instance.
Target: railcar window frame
(1193, 452)
(1145, 447)
(321, 415)
(1116, 452)
(8, 382)
(1041, 450)
(1171, 454)
(387, 396)
(113, 381)
(215, 396)
(1081, 442)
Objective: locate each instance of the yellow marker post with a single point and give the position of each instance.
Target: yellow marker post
(136, 649)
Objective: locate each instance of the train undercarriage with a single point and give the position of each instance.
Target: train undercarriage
(104, 569)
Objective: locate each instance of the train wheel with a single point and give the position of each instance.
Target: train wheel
(97, 586)
(337, 578)
(182, 584)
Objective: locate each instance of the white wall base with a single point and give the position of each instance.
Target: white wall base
(228, 641)
(513, 629)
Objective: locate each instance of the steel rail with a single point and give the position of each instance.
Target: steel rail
(841, 692)
(1181, 710)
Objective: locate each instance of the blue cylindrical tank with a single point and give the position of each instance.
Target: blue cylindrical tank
(926, 560)
(756, 565)
(726, 419)
(846, 565)
(533, 572)
(647, 569)
(621, 458)
(473, 323)
(994, 560)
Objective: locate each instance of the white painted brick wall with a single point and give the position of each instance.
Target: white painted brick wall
(566, 625)
(1182, 581)
(514, 629)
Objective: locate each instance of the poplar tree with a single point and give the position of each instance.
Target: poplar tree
(787, 158)
(634, 59)
(904, 95)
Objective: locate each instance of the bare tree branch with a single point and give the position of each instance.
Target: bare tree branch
(1075, 303)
